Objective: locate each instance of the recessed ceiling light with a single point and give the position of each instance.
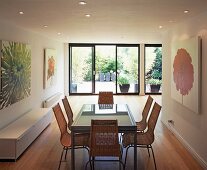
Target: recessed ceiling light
(45, 26)
(88, 15)
(160, 27)
(186, 11)
(82, 3)
(21, 12)
(58, 33)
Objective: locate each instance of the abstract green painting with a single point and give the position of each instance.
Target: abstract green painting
(15, 72)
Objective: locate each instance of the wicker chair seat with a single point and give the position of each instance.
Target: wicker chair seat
(142, 139)
(65, 140)
(114, 152)
(81, 139)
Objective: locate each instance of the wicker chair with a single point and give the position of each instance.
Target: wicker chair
(104, 141)
(105, 97)
(81, 140)
(145, 139)
(141, 126)
(68, 111)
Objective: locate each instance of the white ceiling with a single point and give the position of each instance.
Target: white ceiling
(123, 21)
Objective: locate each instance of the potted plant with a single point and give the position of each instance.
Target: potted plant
(123, 82)
(154, 75)
(154, 85)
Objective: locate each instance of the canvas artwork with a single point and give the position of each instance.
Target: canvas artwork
(50, 65)
(185, 69)
(15, 72)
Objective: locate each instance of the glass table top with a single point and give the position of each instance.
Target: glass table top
(120, 112)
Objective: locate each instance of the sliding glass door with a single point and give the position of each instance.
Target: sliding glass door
(81, 72)
(127, 63)
(104, 67)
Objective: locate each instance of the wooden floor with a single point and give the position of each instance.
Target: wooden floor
(45, 151)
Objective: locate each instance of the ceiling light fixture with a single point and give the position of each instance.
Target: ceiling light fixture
(160, 27)
(45, 26)
(87, 15)
(58, 33)
(82, 3)
(21, 12)
(186, 11)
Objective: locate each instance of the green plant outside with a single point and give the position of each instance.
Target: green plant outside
(82, 66)
(154, 81)
(156, 69)
(154, 75)
(122, 80)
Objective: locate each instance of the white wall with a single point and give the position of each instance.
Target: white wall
(38, 94)
(66, 76)
(190, 128)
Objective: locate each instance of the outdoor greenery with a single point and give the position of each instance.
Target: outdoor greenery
(155, 73)
(103, 65)
(82, 66)
(87, 74)
(122, 79)
(154, 81)
(127, 63)
(109, 65)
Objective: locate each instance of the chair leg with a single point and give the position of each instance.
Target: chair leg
(89, 161)
(61, 158)
(154, 158)
(93, 166)
(126, 155)
(148, 150)
(66, 153)
(90, 165)
(119, 163)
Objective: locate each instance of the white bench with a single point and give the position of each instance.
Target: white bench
(18, 135)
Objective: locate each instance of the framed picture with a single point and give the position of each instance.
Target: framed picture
(15, 72)
(50, 67)
(185, 69)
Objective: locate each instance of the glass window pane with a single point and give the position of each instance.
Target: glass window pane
(153, 69)
(127, 70)
(81, 70)
(105, 64)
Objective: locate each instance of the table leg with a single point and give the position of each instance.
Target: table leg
(72, 151)
(135, 151)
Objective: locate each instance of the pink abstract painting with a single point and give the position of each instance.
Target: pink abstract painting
(185, 84)
(183, 73)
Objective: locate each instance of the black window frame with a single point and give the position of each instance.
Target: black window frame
(149, 45)
(70, 45)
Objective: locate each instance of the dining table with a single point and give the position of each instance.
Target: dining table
(119, 112)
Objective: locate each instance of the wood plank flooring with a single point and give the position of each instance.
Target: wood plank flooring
(44, 153)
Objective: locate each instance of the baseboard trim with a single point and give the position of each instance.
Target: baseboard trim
(202, 162)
